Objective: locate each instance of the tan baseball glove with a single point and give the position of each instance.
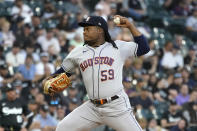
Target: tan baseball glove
(56, 84)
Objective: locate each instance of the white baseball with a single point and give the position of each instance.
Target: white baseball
(117, 20)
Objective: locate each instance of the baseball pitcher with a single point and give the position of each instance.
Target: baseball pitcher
(101, 62)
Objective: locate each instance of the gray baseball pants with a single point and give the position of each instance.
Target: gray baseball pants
(117, 114)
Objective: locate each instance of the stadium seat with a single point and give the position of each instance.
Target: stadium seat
(50, 23)
(161, 35)
(177, 26)
(37, 6)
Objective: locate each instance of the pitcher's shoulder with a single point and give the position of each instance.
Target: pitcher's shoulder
(78, 49)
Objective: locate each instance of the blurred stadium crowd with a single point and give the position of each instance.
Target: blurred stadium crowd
(36, 35)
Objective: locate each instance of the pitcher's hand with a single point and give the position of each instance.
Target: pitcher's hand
(124, 22)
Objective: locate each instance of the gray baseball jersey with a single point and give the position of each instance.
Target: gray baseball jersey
(101, 67)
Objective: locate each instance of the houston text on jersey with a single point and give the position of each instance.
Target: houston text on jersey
(97, 60)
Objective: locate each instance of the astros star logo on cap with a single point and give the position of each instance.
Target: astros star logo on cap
(87, 19)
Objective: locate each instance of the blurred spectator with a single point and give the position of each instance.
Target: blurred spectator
(49, 11)
(172, 59)
(60, 112)
(17, 26)
(191, 116)
(162, 87)
(127, 68)
(73, 92)
(137, 68)
(175, 87)
(139, 82)
(78, 17)
(38, 31)
(171, 117)
(12, 111)
(33, 107)
(153, 126)
(65, 23)
(23, 10)
(25, 36)
(183, 96)
(77, 41)
(18, 85)
(160, 104)
(186, 78)
(144, 103)
(181, 9)
(74, 6)
(40, 100)
(64, 44)
(170, 4)
(181, 126)
(49, 43)
(73, 104)
(44, 120)
(6, 76)
(179, 42)
(150, 63)
(53, 108)
(104, 5)
(30, 50)
(152, 83)
(7, 35)
(14, 57)
(124, 35)
(191, 25)
(145, 76)
(189, 59)
(194, 76)
(178, 57)
(113, 8)
(192, 100)
(2, 57)
(28, 69)
(2, 20)
(57, 62)
(29, 92)
(135, 9)
(162, 51)
(35, 22)
(99, 11)
(127, 83)
(44, 67)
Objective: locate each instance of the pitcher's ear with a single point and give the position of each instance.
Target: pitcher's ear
(100, 30)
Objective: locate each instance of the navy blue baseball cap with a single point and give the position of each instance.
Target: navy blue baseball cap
(9, 87)
(94, 21)
(97, 21)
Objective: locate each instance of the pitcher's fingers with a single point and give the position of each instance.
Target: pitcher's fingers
(121, 25)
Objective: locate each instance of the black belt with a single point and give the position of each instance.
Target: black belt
(103, 101)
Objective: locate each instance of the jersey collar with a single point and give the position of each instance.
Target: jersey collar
(101, 46)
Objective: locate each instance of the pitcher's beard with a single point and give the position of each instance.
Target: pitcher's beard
(90, 43)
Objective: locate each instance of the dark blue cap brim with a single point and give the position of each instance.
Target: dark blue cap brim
(83, 24)
(7, 90)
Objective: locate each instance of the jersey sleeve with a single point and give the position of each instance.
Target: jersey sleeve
(70, 62)
(127, 49)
